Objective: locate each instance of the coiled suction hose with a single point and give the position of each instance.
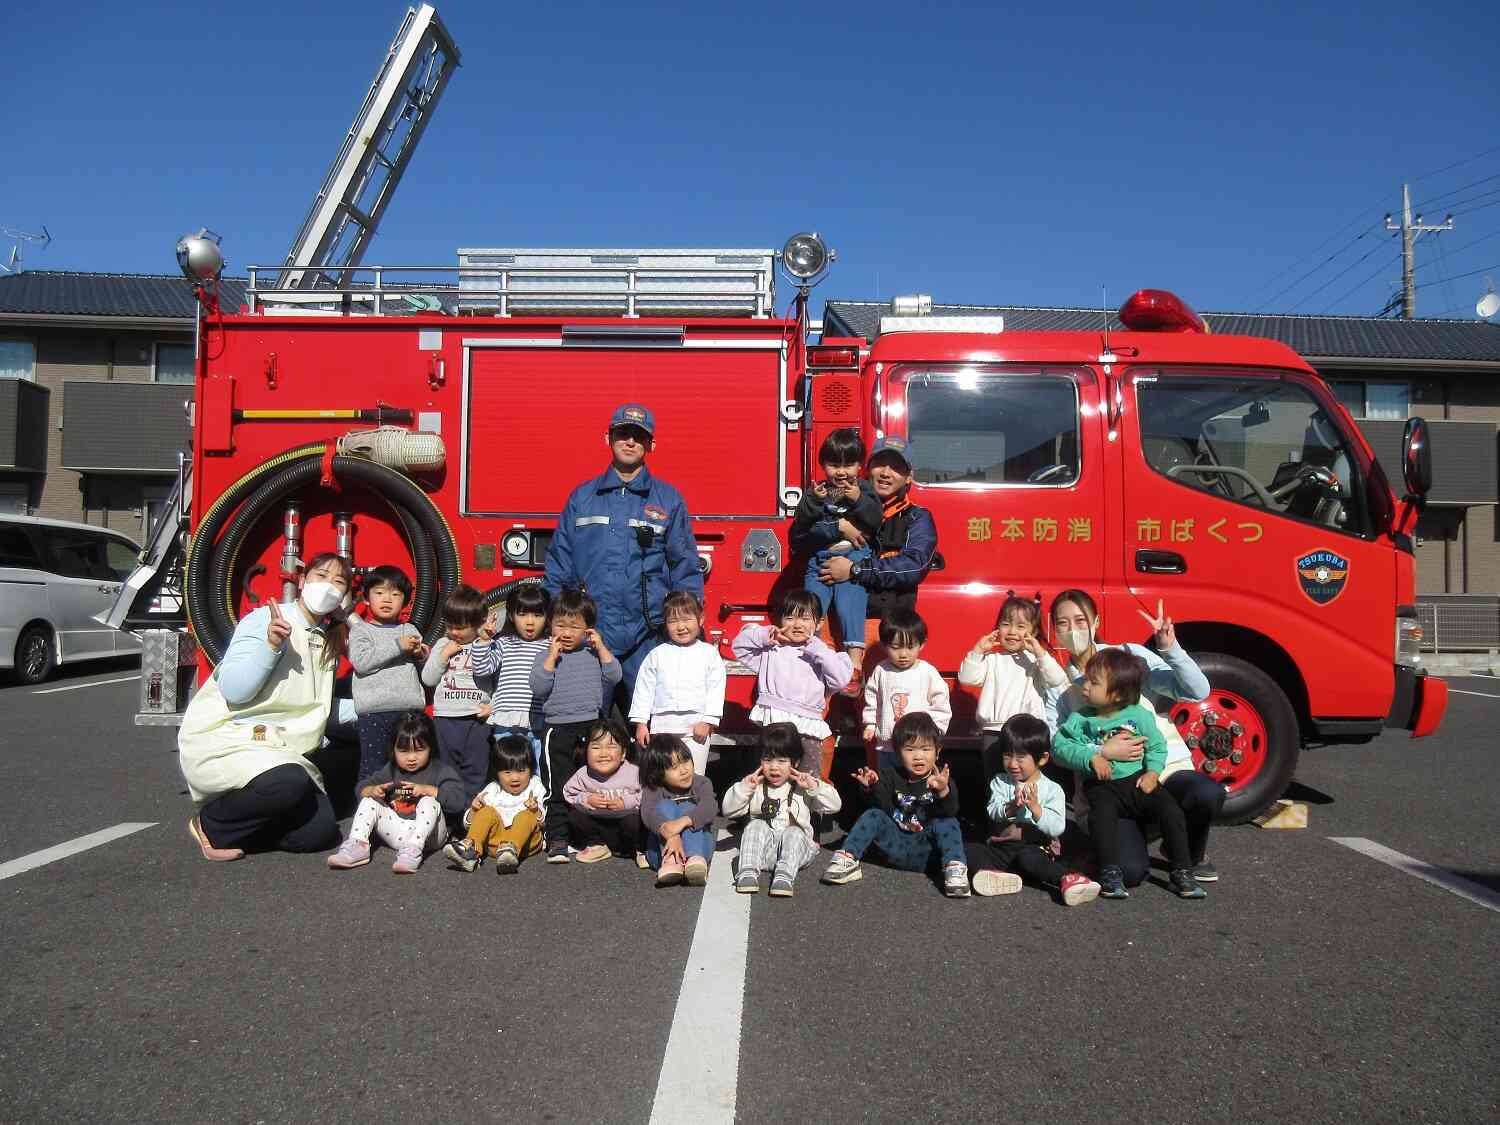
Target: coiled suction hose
(220, 534)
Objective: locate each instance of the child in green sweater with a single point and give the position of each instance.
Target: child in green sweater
(1128, 785)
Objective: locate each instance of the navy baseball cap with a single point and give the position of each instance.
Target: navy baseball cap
(633, 414)
(890, 444)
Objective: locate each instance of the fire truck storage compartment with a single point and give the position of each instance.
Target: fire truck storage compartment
(535, 421)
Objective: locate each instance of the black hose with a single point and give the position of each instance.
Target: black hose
(211, 562)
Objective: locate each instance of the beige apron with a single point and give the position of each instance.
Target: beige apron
(222, 746)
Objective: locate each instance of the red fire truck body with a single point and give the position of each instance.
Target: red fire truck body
(1138, 466)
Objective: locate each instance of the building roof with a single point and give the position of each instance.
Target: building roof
(1313, 337)
(69, 293)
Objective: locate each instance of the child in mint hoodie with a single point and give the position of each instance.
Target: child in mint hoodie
(1114, 743)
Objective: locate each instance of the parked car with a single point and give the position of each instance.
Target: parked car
(55, 577)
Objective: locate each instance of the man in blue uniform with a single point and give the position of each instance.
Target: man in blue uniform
(625, 537)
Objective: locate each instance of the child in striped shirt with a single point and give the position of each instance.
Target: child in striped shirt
(509, 658)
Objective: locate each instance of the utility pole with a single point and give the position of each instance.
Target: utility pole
(1409, 232)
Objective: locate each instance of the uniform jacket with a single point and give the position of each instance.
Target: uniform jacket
(599, 545)
(905, 546)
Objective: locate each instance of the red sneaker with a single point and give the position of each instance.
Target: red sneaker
(1078, 889)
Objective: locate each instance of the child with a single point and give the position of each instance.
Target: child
(839, 516)
(680, 686)
(795, 671)
(405, 801)
(604, 797)
(778, 801)
(678, 810)
(902, 684)
(1027, 811)
(914, 813)
(509, 659)
(505, 817)
(1012, 670)
(461, 705)
(572, 681)
(381, 651)
(1111, 689)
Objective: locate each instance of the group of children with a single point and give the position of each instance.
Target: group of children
(521, 758)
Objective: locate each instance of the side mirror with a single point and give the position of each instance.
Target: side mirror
(1416, 458)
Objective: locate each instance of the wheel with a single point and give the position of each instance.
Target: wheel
(1243, 735)
(35, 655)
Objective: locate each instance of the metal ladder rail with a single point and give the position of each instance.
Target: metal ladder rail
(342, 220)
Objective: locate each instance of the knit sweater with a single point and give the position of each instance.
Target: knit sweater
(793, 806)
(1010, 684)
(1084, 731)
(450, 786)
(698, 802)
(679, 686)
(892, 692)
(385, 679)
(450, 669)
(624, 783)
(577, 690)
(509, 659)
(792, 678)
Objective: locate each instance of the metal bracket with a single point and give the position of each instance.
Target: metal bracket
(792, 412)
(761, 552)
(271, 370)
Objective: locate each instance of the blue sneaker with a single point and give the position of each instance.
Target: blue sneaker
(1112, 883)
(1184, 885)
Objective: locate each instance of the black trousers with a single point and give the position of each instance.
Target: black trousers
(621, 834)
(280, 810)
(1030, 861)
(561, 746)
(1112, 801)
(1200, 799)
(377, 730)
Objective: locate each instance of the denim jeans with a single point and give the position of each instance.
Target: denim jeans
(695, 841)
(907, 851)
(850, 599)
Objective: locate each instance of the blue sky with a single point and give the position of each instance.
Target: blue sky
(982, 153)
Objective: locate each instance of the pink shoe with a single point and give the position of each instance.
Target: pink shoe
(695, 871)
(669, 874)
(407, 861)
(351, 853)
(1078, 889)
(216, 855)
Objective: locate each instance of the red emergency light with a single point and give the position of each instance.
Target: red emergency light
(820, 358)
(1157, 310)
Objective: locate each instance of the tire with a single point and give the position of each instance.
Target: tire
(36, 655)
(1270, 739)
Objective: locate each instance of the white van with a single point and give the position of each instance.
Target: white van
(55, 577)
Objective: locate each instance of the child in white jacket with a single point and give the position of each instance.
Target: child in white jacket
(1012, 670)
(780, 803)
(902, 684)
(680, 686)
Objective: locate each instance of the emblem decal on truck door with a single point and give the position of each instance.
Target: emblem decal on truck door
(1322, 575)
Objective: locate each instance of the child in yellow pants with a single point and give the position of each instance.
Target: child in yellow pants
(505, 818)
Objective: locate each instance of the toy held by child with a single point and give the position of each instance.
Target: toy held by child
(902, 684)
(382, 652)
(777, 802)
(795, 672)
(839, 516)
(1028, 811)
(677, 811)
(1011, 667)
(460, 704)
(913, 816)
(509, 658)
(505, 818)
(404, 802)
(1111, 717)
(604, 797)
(573, 681)
(679, 688)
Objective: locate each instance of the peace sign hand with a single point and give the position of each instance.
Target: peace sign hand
(804, 781)
(1161, 625)
(278, 630)
(939, 781)
(866, 777)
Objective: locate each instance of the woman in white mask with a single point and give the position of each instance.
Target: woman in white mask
(245, 737)
(1172, 675)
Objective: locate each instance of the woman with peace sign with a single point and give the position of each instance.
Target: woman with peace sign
(245, 736)
(1171, 675)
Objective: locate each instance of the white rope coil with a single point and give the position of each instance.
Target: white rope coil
(395, 448)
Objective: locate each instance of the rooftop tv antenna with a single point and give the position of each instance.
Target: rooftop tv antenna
(1489, 304)
(12, 263)
(363, 177)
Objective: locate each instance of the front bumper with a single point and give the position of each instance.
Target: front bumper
(1418, 703)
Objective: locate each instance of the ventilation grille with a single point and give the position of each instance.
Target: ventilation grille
(835, 399)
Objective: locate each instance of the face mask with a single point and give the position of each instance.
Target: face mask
(1076, 641)
(321, 597)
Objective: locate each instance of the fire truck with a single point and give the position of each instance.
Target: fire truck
(436, 418)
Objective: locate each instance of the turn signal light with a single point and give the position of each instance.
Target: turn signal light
(821, 358)
(1157, 310)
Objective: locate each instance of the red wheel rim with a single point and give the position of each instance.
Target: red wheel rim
(1226, 735)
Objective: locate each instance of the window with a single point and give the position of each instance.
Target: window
(1261, 442)
(1382, 402)
(174, 363)
(16, 547)
(79, 554)
(120, 557)
(17, 359)
(969, 425)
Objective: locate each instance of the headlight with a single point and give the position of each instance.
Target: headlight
(199, 256)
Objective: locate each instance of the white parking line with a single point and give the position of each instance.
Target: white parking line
(1476, 893)
(700, 1071)
(1481, 694)
(72, 847)
(78, 687)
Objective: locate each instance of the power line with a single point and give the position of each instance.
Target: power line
(1466, 245)
(1342, 250)
(1478, 207)
(1342, 273)
(1297, 262)
(1456, 164)
(1383, 267)
(1433, 199)
(1472, 273)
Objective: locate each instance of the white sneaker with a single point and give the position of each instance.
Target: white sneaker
(989, 883)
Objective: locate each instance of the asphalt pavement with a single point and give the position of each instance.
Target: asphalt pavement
(1314, 984)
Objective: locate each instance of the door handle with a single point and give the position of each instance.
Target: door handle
(1160, 562)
